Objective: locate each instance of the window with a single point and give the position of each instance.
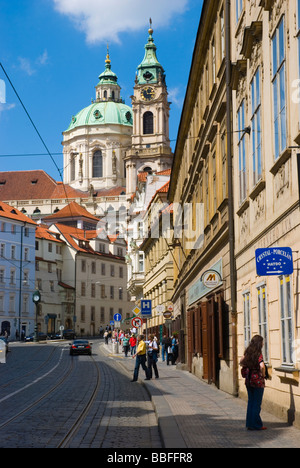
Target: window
(93, 268)
(242, 152)
(112, 292)
(97, 164)
(73, 167)
(214, 65)
(247, 318)
(286, 318)
(103, 296)
(239, 9)
(256, 128)
(93, 290)
(112, 270)
(83, 266)
(83, 288)
(2, 250)
(13, 252)
(26, 254)
(2, 272)
(222, 25)
(82, 313)
(121, 294)
(279, 90)
(147, 123)
(49, 247)
(12, 276)
(263, 318)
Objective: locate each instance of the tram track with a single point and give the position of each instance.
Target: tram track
(31, 372)
(66, 439)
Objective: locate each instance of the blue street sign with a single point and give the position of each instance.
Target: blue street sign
(146, 308)
(274, 261)
(117, 317)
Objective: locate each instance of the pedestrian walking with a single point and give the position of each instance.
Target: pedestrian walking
(106, 337)
(164, 348)
(174, 349)
(140, 359)
(152, 357)
(126, 344)
(254, 372)
(168, 347)
(132, 342)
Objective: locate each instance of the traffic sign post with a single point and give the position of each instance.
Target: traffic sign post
(136, 322)
(274, 261)
(117, 317)
(146, 308)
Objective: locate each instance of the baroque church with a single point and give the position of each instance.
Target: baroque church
(106, 146)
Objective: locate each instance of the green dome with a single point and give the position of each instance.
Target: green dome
(102, 113)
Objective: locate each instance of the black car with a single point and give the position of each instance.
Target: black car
(69, 334)
(41, 337)
(81, 347)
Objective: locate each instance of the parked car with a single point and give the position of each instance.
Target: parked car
(81, 347)
(69, 334)
(41, 337)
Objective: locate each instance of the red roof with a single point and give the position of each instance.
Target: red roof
(73, 210)
(37, 185)
(9, 212)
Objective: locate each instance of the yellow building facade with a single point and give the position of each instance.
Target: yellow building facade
(265, 38)
(201, 183)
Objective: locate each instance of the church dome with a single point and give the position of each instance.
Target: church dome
(109, 107)
(103, 113)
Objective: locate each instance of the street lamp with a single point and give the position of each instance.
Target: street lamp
(36, 297)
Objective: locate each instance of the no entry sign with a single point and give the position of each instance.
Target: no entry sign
(136, 322)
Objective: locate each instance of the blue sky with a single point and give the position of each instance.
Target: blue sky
(54, 50)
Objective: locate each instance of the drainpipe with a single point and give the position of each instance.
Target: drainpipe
(233, 311)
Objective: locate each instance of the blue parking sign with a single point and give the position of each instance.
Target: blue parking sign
(146, 308)
(274, 261)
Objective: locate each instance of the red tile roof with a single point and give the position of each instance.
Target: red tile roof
(9, 212)
(37, 185)
(73, 210)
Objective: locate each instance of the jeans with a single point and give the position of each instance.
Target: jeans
(253, 419)
(152, 360)
(163, 352)
(140, 361)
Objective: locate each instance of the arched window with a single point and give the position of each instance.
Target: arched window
(148, 123)
(73, 166)
(97, 164)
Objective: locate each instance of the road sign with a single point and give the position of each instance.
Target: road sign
(274, 261)
(136, 310)
(117, 317)
(160, 308)
(136, 322)
(117, 324)
(167, 314)
(146, 308)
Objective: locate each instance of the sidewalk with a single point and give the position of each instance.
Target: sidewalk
(192, 414)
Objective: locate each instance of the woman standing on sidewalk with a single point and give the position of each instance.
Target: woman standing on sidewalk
(254, 372)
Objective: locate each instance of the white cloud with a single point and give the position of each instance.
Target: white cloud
(6, 107)
(103, 20)
(175, 96)
(30, 66)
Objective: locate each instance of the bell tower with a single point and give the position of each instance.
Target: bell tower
(150, 148)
